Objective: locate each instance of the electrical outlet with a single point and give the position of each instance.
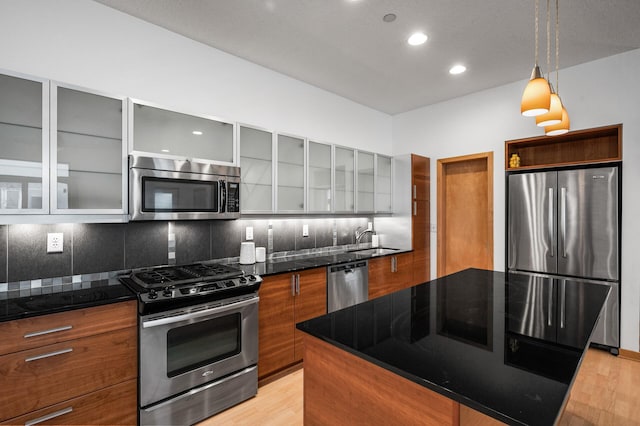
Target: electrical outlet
(369, 226)
(54, 242)
(249, 232)
(434, 228)
(305, 230)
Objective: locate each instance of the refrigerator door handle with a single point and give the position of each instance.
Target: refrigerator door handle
(563, 220)
(550, 308)
(563, 290)
(550, 219)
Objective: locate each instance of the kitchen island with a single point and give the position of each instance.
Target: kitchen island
(462, 348)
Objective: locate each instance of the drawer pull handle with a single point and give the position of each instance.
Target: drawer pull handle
(49, 416)
(50, 354)
(53, 330)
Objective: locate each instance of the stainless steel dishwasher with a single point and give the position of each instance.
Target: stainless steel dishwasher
(347, 284)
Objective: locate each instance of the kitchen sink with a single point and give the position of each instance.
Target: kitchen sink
(379, 251)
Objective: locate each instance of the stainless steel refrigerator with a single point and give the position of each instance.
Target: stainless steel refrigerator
(565, 224)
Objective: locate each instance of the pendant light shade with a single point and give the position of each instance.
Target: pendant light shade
(554, 116)
(536, 99)
(561, 128)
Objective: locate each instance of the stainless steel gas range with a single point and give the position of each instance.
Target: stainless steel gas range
(198, 340)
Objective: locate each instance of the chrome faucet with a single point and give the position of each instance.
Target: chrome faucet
(360, 232)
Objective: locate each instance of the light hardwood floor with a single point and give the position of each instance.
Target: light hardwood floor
(606, 392)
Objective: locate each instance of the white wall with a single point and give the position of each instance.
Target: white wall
(598, 93)
(87, 44)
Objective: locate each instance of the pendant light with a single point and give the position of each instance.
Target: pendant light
(536, 98)
(564, 125)
(554, 116)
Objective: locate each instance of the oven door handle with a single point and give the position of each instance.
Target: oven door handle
(199, 314)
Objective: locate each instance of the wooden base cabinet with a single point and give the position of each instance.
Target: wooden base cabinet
(51, 379)
(390, 273)
(108, 406)
(285, 300)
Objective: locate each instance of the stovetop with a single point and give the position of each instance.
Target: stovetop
(164, 276)
(168, 287)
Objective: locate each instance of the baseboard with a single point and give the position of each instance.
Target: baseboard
(629, 355)
(280, 374)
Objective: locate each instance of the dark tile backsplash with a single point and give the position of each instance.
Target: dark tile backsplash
(193, 241)
(27, 255)
(146, 244)
(92, 248)
(284, 235)
(98, 247)
(225, 238)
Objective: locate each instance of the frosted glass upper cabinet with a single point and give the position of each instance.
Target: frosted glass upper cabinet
(290, 174)
(88, 151)
(256, 165)
(383, 184)
(165, 133)
(24, 138)
(365, 181)
(319, 177)
(344, 178)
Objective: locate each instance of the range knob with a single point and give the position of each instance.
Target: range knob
(242, 280)
(152, 294)
(168, 291)
(252, 277)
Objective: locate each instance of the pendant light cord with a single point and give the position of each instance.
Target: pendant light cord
(548, 41)
(557, 44)
(536, 30)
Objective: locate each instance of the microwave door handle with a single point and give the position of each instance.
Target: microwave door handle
(223, 196)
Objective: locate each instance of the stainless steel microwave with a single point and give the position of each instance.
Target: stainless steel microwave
(166, 189)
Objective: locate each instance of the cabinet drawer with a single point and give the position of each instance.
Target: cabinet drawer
(37, 378)
(30, 333)
(110, 406)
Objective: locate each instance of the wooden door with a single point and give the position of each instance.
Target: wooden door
(276, 322)
(465, 213)
(310, 303)
(420, 237)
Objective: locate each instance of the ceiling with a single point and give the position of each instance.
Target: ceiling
(344, 47)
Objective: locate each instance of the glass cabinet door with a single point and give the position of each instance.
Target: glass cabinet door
(383, 184)
(88, 152)
(256, 165)
(290, 174)
(344, 172)
(365, 181)
(24, 140)
(319, 169)
(172, 134)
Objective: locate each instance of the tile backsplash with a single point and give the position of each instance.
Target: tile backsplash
(95, 248)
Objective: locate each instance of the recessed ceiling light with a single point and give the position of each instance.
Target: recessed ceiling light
(389, 17)
(417, 39)
(164, 150)
(197, 132)
(457, 69)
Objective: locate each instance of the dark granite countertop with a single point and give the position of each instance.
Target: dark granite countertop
(314, 260)
(481, 338)
(31, 302)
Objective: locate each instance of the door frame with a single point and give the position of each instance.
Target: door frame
(441, 217)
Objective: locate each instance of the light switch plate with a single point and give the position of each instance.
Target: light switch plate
(55, 242)
(305, 230)
(249, 232)
(434, 228)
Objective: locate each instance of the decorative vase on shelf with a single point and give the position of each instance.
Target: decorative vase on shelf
(514, 161)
